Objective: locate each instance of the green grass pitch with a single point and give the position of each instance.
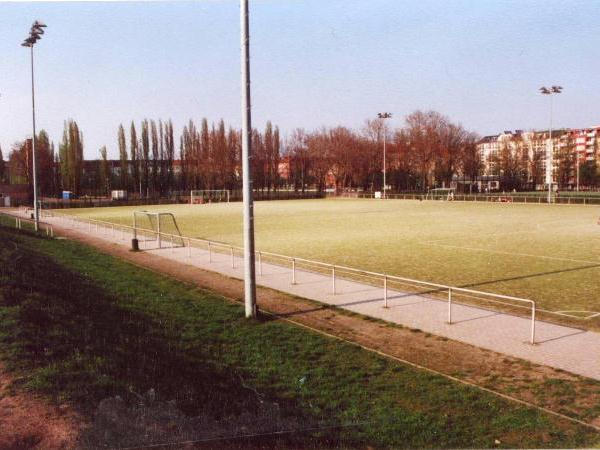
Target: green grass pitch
(550, 254)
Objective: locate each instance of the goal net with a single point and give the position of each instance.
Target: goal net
(440, 194)
(209, 196)
(156, 229)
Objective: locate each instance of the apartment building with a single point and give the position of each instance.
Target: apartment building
(526, 150)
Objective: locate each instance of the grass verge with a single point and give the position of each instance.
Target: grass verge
(81, 326)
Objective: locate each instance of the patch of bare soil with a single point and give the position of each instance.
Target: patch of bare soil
(553, 389)
(28, 422)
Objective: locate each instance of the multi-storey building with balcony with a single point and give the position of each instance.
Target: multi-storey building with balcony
(527, 150)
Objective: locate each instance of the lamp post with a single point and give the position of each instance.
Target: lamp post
(550, 147)
(35, 34)
(384, 116)
(248, 207)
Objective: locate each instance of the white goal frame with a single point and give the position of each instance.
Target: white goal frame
(439, 193)
(157, 215)
(223, 195)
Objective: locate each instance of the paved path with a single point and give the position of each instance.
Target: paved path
(566, 348)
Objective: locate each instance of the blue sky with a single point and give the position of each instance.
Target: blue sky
(314, 62)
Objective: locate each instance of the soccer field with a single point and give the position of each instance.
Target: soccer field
(549, 254)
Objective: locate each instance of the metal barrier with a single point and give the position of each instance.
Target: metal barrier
(433, 290)
(19, 221)
(498, 198)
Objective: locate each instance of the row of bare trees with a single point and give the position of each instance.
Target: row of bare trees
(427, 151)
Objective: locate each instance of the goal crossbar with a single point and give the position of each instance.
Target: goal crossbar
(200, 196)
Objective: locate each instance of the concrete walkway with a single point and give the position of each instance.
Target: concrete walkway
(570, 349)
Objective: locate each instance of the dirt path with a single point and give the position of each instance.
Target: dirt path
(27, 421)
(553, 389)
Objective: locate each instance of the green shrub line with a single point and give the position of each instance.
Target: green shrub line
(80, 326)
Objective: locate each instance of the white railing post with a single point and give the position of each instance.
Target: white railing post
(385, 296)
(51, 232)
(16, 222)
(89, 225)
(260, 272)
(209, 252)
(449, 305)
(232, 259)
(293, 270)
(333, 280)
(112, 230)
(189, 248)
(172, 244)
(533, 323)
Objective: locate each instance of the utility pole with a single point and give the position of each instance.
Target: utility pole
(248, 207)
(550, 147)
(384, 116)
(35, 34)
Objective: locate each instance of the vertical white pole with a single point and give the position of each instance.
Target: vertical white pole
(209, 252)
(189, 248)
(549, 156)
(385, 296)
(449, 305)
(232, 258)
(293, 270)
(260, 271)
(533, 324)
(158, 228)
(33, 153)
(249, 269)
(333, 280)
(384, 194)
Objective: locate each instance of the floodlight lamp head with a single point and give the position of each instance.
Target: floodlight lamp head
(544, 90)
(25, 44)
(38, 24)
(557, 89)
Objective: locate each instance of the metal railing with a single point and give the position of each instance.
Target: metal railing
(499, 198)
(386, 282)
(46, 228)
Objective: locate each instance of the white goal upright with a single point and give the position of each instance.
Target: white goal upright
(156, 226)
(209, 195)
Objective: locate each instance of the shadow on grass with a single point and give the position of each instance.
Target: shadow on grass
(74, 341)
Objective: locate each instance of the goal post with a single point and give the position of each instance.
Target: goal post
(156, 226)
(440, 194)
(201, 196)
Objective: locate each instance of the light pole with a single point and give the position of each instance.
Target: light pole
(35, 34)
(550, 147)
(384, 116)
(248, 207)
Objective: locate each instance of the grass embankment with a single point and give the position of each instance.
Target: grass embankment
(81, 326)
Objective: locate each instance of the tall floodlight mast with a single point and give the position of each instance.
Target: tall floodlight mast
(249, 264)
(551, 91)
(35, 34)
(384, 116)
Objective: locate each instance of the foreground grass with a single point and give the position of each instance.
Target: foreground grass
(81, 326)
(544, 253)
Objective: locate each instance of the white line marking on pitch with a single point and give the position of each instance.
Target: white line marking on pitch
(528, 255)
